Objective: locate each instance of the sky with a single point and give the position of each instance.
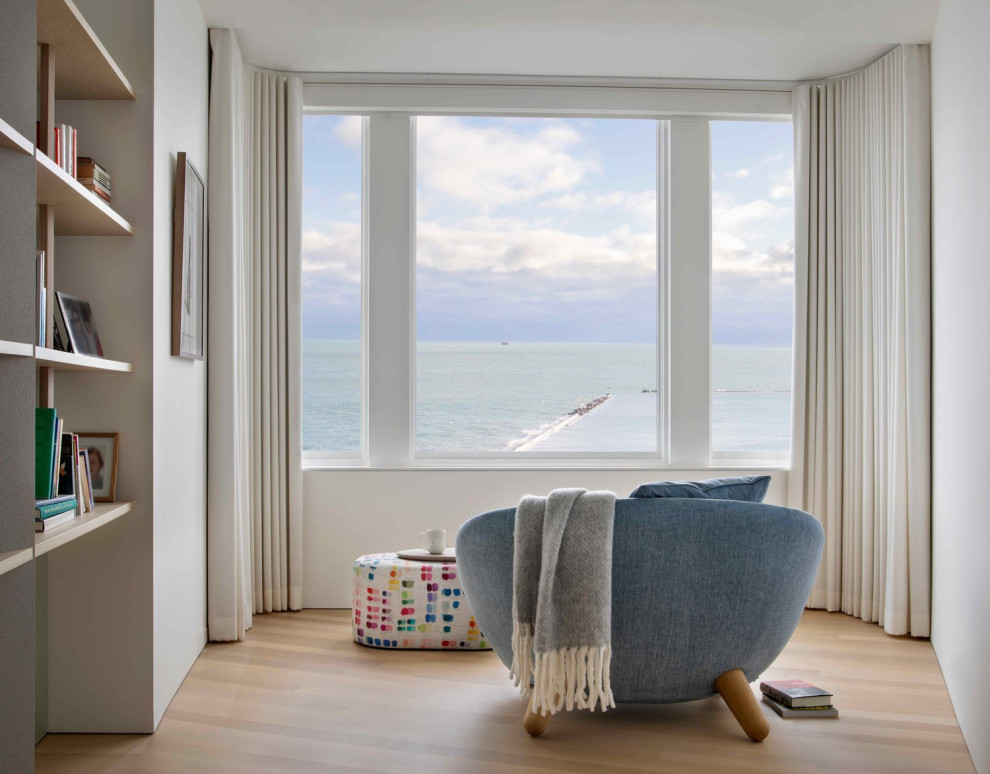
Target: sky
(534, 229)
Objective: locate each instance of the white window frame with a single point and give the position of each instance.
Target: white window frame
(683, 258)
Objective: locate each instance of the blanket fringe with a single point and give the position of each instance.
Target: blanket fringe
(522, 657)
(566, 678)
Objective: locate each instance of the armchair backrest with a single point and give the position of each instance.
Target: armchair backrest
(698, 587)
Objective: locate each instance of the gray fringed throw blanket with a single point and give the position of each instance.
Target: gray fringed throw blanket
(562, 599)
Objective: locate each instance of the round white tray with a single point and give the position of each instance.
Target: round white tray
(419, 555)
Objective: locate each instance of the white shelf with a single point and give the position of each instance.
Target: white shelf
(69, 361)
(104, 513)
(14, 140)
(84, 68)
(78, 212)
(10, 560)
(16, 349)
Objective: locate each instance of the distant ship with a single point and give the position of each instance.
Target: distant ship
(505, 343)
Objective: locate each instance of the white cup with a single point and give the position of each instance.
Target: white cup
(433, 540)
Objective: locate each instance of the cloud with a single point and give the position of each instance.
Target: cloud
(732, 260)
(331, 264)
(773, 159)
(617, 256)
(491, 166)
(497, 257)
(349, 130)
(748, 218)
(640, 204)
(783, 185)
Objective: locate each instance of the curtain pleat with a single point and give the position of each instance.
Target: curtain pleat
(229, 445)
(862, 461)
(255, 481)
(276, 517)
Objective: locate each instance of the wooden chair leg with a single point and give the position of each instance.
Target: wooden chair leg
(734, 689)
(534, 723)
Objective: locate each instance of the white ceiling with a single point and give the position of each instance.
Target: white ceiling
(716, 39)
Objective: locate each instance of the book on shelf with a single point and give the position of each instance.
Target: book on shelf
(824, 711)
(67, 466)
(89, 167)
(97, 190)
(43, 525)
(42, 304)
(45, 428)
(45, 511)
(796, 693)
(59, 426)
(65, 148)
(93, 177)
(63, 481)
(85, 478)
(52, 500)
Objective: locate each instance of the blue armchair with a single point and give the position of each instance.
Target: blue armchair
(705, 595)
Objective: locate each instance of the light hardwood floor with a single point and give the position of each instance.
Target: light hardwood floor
(299, 696)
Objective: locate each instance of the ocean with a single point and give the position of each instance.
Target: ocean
(489, 397)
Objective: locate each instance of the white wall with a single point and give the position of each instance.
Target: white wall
(961, 365)
(181, 113)
(348, 513)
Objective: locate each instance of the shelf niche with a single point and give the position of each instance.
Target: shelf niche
(13, 140)
(81, 525)
(84, 68)
(78, 212)
(69, 361)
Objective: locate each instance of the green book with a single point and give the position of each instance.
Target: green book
(45, 426)
(54, 509)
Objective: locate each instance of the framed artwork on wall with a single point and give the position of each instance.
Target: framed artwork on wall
(188, 262)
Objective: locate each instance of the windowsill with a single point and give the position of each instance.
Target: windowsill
(338, 466)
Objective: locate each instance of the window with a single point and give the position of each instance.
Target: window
(331, 285)
(752, 288)
(536, 285)
(518, 275)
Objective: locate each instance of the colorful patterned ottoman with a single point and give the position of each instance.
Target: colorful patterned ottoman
(404, 604)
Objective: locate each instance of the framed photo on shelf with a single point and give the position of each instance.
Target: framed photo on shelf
(189, 262)
(103, 450)
(75, 317)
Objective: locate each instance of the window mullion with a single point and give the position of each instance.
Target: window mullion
(390, 248)
(690, 304)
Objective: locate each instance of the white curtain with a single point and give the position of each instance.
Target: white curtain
(862, 459)
(255, 475)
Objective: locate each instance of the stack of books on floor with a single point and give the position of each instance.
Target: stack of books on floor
(798, 699)
(93, 177)
(62, 478)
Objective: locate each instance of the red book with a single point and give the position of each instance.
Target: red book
(58, 147)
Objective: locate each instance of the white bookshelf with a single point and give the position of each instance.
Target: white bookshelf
(16, 349)
(102, 514)
(85, 68)
(73, 65)
(11, 560)
(78, 212)
(69, 361)
(13, 140)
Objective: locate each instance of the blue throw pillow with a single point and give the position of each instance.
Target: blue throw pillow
(751, 489)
